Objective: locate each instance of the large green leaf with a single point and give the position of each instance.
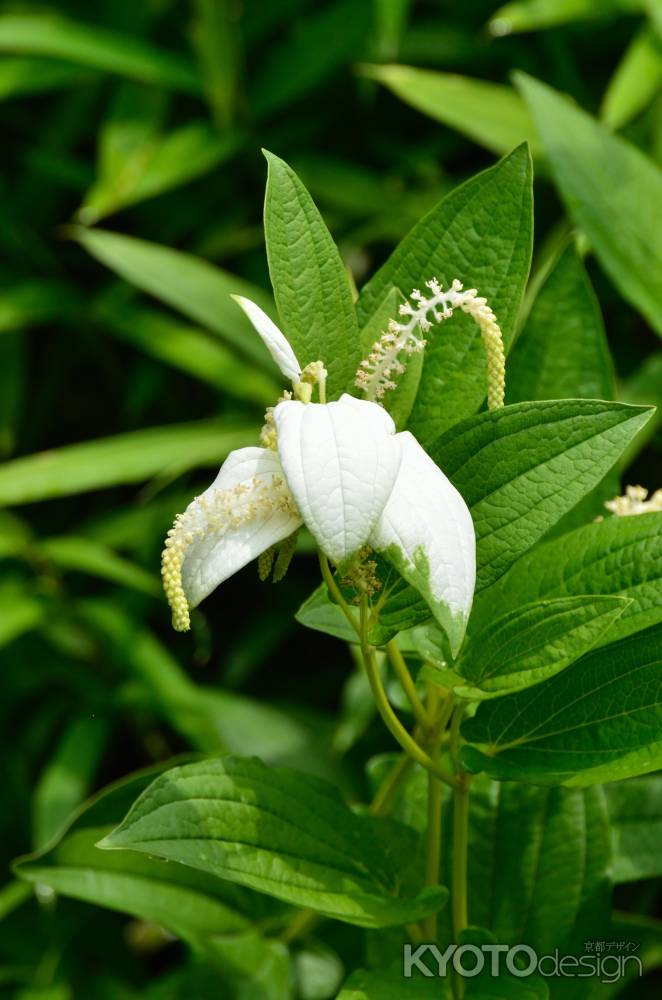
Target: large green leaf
(192, 905)
(97, 47)
(539, 864)
(589, 165)
(277, 831)
(491, 114)
(635, 815)
(480, 234)
(126, 458)
(621, 555)
(534, 642)
(562, 352)
(310, 283)
(521, 468)
(193, 286)
(599, 720)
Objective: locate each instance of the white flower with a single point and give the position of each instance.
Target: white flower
(340, 469)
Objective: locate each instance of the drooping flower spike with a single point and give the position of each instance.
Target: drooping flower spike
(341, 469)
(388, 355)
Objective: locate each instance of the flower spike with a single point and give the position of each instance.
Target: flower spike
(387, 358)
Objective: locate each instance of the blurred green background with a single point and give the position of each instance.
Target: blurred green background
(126, 372)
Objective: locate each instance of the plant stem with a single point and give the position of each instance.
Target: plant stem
(432, 848)
(393, 724)
(389, 786)
(406, 680)
(302, 922)
(460, 855)
(329, 580)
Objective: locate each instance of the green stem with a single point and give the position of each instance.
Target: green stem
(335, 591)
(459, 888)
(407, 682)
(390, 785)
(391, 721)
(433, 848)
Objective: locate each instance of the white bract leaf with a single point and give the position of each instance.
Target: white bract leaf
(247, 509)
(426, 531)
(340, 461)
(275, 341)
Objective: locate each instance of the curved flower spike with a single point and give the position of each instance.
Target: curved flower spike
(247, 509)
(274, 340)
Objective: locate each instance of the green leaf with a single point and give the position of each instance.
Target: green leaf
(534, 642)
(532, 15)
(310, 284)
(635, 82)
(72, 552)
(155, 164)
(596, 721)
(644, 385)
(191, 905)
(276, 831)
(191, 285)
(521, 468)
(480, 234)
(194, 351)
(527, 847)
(589, 164)
(126, 458)
(66, 779)
(621, 556)
(491, 114)
(98, 48)
(635, 814)
(24, 75)
(562, 352)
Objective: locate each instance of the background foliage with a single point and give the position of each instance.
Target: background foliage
(132, 192)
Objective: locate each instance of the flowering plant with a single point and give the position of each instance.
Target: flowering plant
(475, 559)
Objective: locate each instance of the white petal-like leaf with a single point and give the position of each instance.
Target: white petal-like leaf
(340, 461)
(427, 533)
(246, 510)
(274, 339)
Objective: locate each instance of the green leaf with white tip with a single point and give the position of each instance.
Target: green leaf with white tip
(534, 642)
(277, 831)
(310, 283)
(599, 720)
(590, 164)
(521, 468)
(481, 234)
